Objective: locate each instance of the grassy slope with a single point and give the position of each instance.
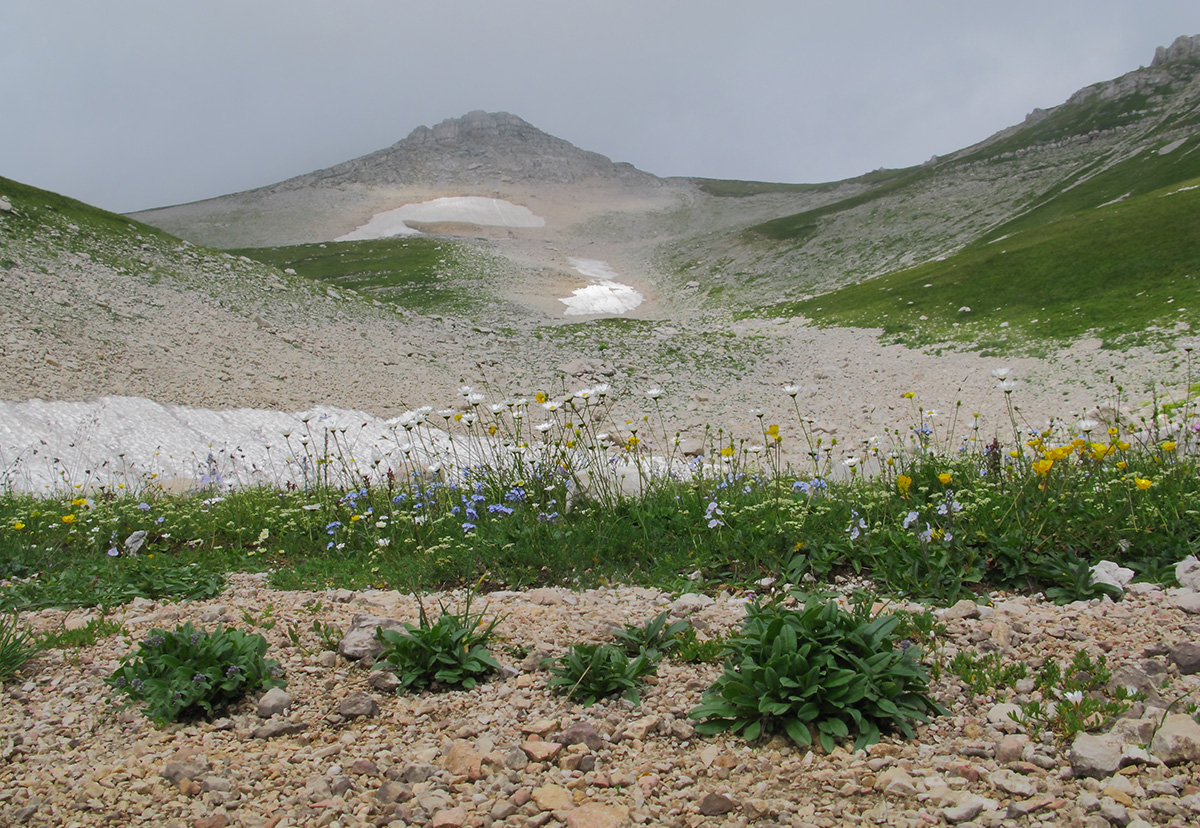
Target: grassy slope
(1116, 271)
(419, 273)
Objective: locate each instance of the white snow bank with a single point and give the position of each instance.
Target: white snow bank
(54, 446)
(607, 295)
(494, 212)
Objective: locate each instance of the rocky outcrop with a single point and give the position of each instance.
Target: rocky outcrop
(1184, 48)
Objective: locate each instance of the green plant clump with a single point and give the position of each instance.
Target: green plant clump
(590, 672)
(655, 638)
(451, 652)
(188, 673)
(16, 647)
(818, 670)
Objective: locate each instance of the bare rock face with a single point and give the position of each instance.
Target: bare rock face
(1184, 48)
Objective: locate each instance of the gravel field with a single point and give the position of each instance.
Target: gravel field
(345, 753)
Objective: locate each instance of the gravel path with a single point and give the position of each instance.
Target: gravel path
(496, 755)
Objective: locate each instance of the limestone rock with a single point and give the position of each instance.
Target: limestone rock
(191, 768)
(690, 603)
(1012, 783)
(273, 702)
(1094, 756)
(1187, 573)
(553, 798)
(360, 641)
(595, 815)
(1178, 740)
(963, 610)
(278, 727)
(1186, 657)
(580, 733)
(463, 760)
(356, 704)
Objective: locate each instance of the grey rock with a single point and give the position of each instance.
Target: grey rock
(384, 681)
(360, 640)
(963, 610)
(185, 769)
(1012, 783)
(580, 732)
(415, 773)
(327, 658)
(133, 543)
(1183, 48)
(1094, 756)
(25, 813)
(968, 807)
(1187, 573)
(216, 783)
(273, 702)
(1011, 748)
(340, 784)
(278, 727)
(1114, 812)
(391, 791)
(1112, 574)
(1189, 602)
(1186, 657)
(356, 704)
(690, 603)
(1130, 676)
(1177, 740)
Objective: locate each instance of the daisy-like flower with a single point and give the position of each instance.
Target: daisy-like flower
(654, 393)
(791, 390)
(1073, 696)
(1086, 425)
(475, 399)
(465, 390)
(1000, 373)
(496, 408)
(551, 405)
(1007, 386)
(544, 427)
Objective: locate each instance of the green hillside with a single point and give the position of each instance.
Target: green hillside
(1128, 272)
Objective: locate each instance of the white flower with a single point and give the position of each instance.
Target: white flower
(1007, 386)
(1086, 425)
(495, 408)
(757, 412)
(1000, 373)
(850, 462)
(465, 390)
(544, 427)
(1074, 696)
(475, 399)
(654, 393)
(754, 449)
(791, 390)
(552, 405)
(446, 413)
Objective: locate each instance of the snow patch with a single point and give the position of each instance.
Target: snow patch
(607, 295)
(494, 212)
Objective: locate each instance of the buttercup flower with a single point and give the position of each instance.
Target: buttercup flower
(1142, 483)
(945, 478)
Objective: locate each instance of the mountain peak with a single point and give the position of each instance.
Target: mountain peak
(1184, 48)
(480, 148)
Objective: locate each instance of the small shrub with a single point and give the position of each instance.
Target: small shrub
(691, 650)
(820, 671)
(986, 674)
(655, 638)
(451, 652)
(189, 673)
(16, 647)
(590, 672)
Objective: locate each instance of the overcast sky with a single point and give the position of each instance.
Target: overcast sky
(131, 105)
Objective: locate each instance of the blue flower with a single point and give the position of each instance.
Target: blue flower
(500, 508)
(145, 507)
(468, 527)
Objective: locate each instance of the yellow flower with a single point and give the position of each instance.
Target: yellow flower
(1143, 483)
(727, 451)
(1014, 453)
(633, 440)
(18, 526)
(540, 397)
(1121, 464)
(69, 518)
(1042, 467)
(354, 518)
(902, 483)
(773, 431)
(1122, 445)
(1168, 445)
(79, 501)
(945, 477)
(1113, 432)
(908, 395)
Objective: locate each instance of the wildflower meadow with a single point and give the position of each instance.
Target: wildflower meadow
(557, 490)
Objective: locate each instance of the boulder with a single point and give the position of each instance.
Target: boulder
(360, 640)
